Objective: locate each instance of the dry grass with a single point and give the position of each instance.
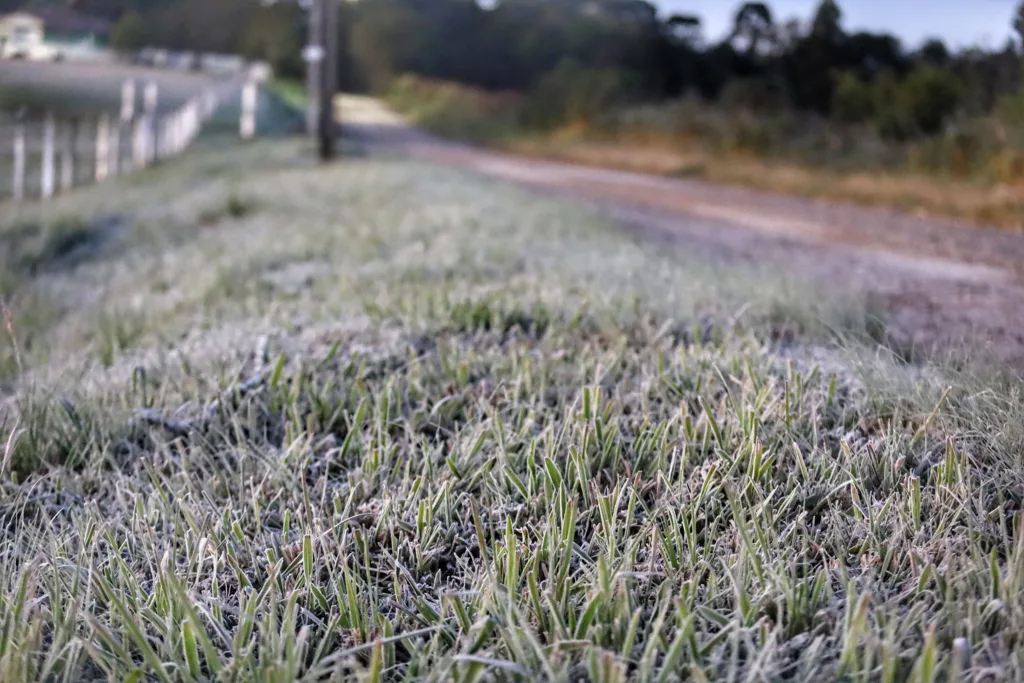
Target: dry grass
(999, 205)
(692, 139)
(390, 422)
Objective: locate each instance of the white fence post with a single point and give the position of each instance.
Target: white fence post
(186, 125)
(18, 177)
(139, 136)
(160, 138)
(195, 109)
(102, 148)
(183, 127)
(151, 97)
(209, 103)
(128, 101)
(247, 126)
(67, 157)
(180, 127)
(128, 125)
(47, 179)
(115, 148)
(171, 134)
(150, 101)
(125, 140)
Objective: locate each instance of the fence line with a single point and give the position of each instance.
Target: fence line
(132, 139)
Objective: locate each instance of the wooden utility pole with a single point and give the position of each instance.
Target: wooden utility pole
(322, 75)
(313, 54)
(328, 126)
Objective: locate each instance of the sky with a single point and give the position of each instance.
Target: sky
(959, 22)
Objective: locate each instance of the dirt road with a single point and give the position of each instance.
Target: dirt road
(938, 282)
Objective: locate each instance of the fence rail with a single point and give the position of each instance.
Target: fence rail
(51, 154)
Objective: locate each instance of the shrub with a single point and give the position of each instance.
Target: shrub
(753, 94)
(853, 100)
(892, 118)
(454, 110)
(922, 103)
(129, 33)
(931, 97)
(571, 93)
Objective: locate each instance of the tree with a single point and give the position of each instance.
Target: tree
(753, 26)
(685, 28)
(578, 53)
(111, 10)
(575, 93)
(871, 54)
(810, 63)
(931, 96)
(390, 41)
(272, 34)
(935, 52)
(1018, 23)
(635, 11)
(129, 33)
(853, 100)
(827, 22)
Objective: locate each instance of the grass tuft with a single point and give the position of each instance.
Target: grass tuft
(405, 424)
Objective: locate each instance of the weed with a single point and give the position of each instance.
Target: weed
(234, 207)
(117, 333)
(30, 248)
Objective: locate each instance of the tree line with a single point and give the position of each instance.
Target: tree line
(582, 56)
(579, 57)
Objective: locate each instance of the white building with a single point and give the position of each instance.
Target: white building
(22, 36)
(51, 33)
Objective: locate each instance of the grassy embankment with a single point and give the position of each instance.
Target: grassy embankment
(269, 421)
(785, 154)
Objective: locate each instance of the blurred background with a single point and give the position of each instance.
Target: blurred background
(932, 89)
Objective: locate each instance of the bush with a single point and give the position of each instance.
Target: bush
(129, 33)
(892, 117)
(921, 104)
(1010, 109)
(853, 100)
(573, 94)
(454, 110)
(931, 97)
(268, 36)
(753, 95)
